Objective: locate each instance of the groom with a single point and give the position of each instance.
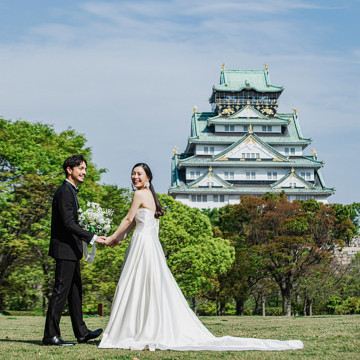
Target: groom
(66, 248)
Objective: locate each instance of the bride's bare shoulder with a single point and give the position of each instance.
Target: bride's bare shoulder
(142, 194)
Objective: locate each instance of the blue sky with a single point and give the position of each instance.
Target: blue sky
(127, 74)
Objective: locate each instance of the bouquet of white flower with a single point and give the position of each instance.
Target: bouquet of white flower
(96, 219)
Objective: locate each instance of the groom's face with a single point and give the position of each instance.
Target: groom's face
(77, 173)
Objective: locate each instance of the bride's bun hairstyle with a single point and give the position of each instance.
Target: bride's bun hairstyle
(159, 211)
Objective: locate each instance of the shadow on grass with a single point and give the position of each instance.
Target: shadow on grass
(34, 342)
(39, 342)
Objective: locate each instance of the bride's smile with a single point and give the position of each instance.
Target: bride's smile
(139, 177)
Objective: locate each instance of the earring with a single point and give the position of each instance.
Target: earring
(147, 184)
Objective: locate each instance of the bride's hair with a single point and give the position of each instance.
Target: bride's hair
(159, 211)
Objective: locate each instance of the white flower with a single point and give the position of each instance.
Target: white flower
(95, 218)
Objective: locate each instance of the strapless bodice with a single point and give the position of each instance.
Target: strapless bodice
(145, 219)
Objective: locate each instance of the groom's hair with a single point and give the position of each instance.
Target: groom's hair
(73, 161)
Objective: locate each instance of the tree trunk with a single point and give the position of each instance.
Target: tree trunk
(263, 305)
(297, 301)
(286, 301)
(240, 307)
(217, 308)
(310, 307)
(304, 305)
(222, 308)
(194, 304)
(1, 302)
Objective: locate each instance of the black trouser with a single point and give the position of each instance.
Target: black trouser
(67, 287)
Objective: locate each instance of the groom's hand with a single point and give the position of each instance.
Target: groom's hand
(101, 239)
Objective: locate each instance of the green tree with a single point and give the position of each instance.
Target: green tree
(31, 157)
(193, 255)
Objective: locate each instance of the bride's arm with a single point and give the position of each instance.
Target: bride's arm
(122, 236)
(128, 219)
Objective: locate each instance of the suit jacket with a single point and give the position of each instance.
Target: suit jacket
(66, 234)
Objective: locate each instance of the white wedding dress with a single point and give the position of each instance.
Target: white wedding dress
(149, 310)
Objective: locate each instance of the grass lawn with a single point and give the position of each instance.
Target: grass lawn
(324, 337)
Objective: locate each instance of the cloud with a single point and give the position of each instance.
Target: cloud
(128, 74)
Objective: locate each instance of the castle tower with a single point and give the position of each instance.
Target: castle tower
(245, 147)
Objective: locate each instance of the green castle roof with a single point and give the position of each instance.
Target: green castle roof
(202, 133)
(237, 80)
(250, 190)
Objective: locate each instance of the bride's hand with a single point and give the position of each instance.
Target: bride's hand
(110, 241)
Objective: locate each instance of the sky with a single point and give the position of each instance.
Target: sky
(127, 74)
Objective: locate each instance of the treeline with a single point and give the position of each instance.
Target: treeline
(239, 259)
(285, 256)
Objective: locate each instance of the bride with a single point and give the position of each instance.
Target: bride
(149, 310)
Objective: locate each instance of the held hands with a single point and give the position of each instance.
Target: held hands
(112, 242)
(108, 241)
(100, 239)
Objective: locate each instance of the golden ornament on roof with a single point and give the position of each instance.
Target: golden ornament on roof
(314, 152)
(250, 129)
(195, 108)
(294, 111)
(176, 150)
(210, 169)
(223, 66)
(292, 170)
(266, 67)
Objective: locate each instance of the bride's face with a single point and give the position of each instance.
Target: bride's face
(139, 177)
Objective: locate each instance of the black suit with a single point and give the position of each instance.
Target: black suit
(66, 249)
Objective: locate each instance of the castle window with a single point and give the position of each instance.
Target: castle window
(216, 198)
(192, 174)
(286, 151)
(229, 175)
(197, 174)
(250, 175)
(308, 176)
(212, 149)
(292, 150)
(198, 198)
(229, 127)
(246, 127)
(269, 175)
(206, 150)
(222, 198)
(275, 175)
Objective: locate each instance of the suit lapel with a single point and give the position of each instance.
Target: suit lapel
(73, 192)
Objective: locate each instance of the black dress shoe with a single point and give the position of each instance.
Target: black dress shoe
(56, 340)
(89, 336)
